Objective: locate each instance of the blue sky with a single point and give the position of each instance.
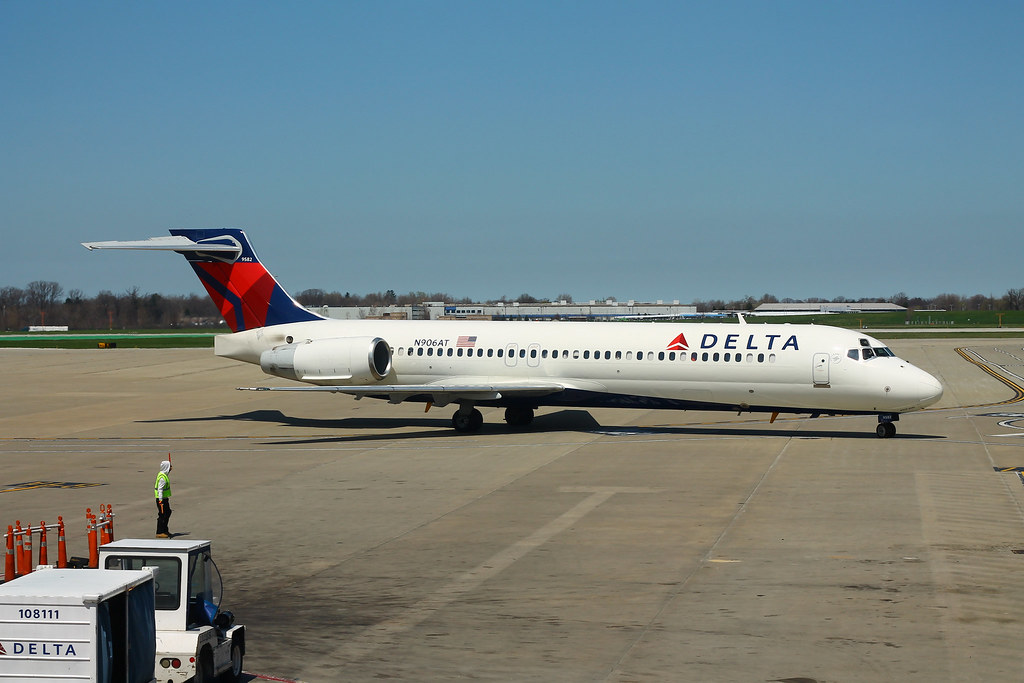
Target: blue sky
(641, 150)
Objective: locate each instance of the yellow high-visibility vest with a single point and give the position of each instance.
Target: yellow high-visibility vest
(167, 486)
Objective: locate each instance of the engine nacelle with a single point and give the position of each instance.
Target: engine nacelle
(344, 360)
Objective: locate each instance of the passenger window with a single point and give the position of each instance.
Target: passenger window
(618, 355)
(715, 357)
(533, 353)
(575, 354)
(760, 358)
(451, 351)
(727, 357)
(501, 352)
(459, 354)
(661, 355)
(586, 355)
(490, 353)
(544, 353)
(430, 351)
(607, 355)
(771, 357)
(522, 353)
(750, 358)
(693, 356)
(672, 355)
(704, 356)
(629, 355)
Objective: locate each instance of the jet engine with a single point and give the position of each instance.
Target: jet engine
(344, 360)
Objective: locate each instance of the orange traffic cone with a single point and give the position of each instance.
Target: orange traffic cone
(28, 549)
(19, 551)
(9, 558)
(110, 523)
(43, 558)
(62, 545)
(94, 553)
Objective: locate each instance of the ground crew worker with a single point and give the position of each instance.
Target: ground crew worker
(162, 491)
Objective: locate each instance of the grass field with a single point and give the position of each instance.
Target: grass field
(122, 339)
(936, 324)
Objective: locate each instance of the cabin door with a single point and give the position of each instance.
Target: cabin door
(533, 355)
(819, 371)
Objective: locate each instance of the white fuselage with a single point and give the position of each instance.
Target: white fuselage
(767, 367)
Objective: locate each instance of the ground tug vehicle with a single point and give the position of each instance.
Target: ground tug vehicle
(195, 639)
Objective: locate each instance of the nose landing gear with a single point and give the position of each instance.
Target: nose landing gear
(886, 428)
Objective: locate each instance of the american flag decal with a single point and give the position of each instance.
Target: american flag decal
(466, 342)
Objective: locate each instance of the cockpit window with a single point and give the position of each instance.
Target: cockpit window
(867, 353)
(853, 353)
(884, 351)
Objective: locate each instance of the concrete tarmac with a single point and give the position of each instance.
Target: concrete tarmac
(360, 540)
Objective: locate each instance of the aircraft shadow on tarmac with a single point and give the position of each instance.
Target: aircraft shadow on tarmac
(561, 421)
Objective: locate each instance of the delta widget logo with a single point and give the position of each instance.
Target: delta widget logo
(678, 344)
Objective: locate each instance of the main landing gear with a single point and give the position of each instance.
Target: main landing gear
(518, 416)
(468, 419)
(886, 428)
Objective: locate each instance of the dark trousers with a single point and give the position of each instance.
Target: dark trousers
(163, 517)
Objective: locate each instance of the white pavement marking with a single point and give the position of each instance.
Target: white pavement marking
(381, 634)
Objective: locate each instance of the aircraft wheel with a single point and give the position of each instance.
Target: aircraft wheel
(467, 422)
(885, 430)
(518, 416)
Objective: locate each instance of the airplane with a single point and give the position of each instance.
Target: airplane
(521, 366)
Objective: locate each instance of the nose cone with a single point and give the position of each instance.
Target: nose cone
(916, 390)
(930, 390)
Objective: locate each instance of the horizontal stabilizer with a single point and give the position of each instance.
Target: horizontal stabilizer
(176, 243)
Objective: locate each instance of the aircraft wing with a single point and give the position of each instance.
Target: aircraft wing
(440, 394)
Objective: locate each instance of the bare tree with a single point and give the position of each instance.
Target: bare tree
(11, 300)
(1014, 299)
(41, 296)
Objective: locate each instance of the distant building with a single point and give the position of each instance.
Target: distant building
(561, 310)
(828, 307)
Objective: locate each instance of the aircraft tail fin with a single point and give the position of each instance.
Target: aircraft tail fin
(246, 293)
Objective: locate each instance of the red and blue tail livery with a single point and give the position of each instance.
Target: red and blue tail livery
(245, 292)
